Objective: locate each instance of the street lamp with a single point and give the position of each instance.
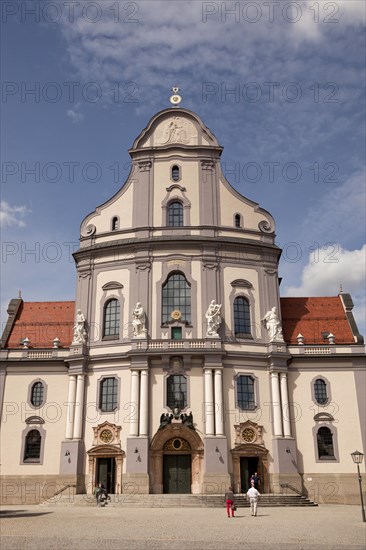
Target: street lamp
(357, 458)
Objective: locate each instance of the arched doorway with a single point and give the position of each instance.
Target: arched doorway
(176, 460)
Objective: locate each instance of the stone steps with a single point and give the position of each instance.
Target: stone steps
(175, 501)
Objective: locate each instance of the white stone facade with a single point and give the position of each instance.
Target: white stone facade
(176, 237)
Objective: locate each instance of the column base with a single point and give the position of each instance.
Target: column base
(216, 477)
(72, 457)
(137, 454)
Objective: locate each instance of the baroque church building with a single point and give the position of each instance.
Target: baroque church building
(178, 368)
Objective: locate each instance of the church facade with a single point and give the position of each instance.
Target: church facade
(178, 368)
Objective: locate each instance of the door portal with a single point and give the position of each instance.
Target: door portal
(177, 474)
(106, 473)
(248, 467)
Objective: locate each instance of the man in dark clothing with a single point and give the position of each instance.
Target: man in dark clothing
(256, 480)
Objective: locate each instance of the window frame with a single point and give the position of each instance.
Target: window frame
(179, 172)
(328, 390)
(165, 317)
(176, 374)
(26, 431)
(255, 391)
(238, 217)
(99, 393)
(325, 424)
(241, 335)
(181, 213)
(29, 397)
(115, 336)
(115, 221)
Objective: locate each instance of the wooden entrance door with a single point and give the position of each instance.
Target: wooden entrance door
(177, 474)
(248, 467)
(106, 473)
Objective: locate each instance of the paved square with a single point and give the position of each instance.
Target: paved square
(326, 527)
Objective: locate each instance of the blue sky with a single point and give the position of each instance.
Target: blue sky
(281, 85)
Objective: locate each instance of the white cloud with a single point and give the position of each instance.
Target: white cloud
(168, 38)
(339, 216)
(75, 115)
(12, 215)
(325, 272)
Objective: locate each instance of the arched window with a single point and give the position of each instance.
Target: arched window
(32, 448)
(237, 220)
(111, 318)
(320, 391)
(176, 294)
(108, 394)
(175, 214)
(37, 392)
(176, 391)
(175, 175)
(241, 317)
(325, 443)
(115, 223)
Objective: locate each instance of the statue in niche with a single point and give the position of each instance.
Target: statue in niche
(138, 321)
(80, 335)
(213, 317)
(273, 325)
(165, 419)
(187, 420)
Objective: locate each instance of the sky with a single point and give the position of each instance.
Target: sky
(281, 84)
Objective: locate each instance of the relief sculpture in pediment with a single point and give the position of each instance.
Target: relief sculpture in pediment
(176, 130)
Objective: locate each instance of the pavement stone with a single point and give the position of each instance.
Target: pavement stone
(326, 527)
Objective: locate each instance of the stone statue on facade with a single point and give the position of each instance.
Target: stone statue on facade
(165, 419)
(273, 325)
(79, 336)
(138, 321)
(187, 420)
(213, 317)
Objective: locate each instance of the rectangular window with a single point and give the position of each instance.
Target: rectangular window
(108, 400)
(245, 392)
(176, 333)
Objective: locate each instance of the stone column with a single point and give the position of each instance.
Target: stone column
(219, 403)
(285, 405)
(79, 406)
(276, 405)
(135, 389)
(144, 403)
(71, 407)
(209, 403)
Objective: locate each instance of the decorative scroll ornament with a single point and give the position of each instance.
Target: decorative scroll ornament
(90, 230)
(265, 227)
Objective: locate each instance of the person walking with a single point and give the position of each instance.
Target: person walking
(230, 503)
(257, 481)
(253, 494)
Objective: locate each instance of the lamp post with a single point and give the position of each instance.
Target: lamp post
(357, 458)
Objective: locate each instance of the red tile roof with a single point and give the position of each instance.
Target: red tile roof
(312, 316)
(42, 322)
